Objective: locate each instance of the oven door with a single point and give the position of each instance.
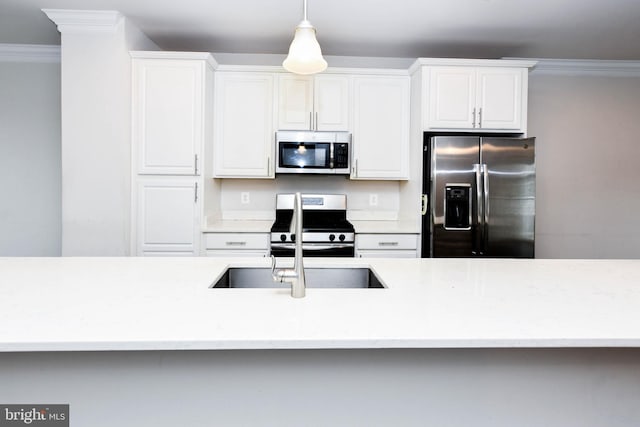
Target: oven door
(314, 250)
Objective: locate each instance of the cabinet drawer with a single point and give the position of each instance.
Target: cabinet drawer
(231, 253)
(237, 241)
(387, 241)
(401, 253)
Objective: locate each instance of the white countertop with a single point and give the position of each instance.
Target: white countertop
(264, 226)
(76, 304)
(238, 226)
(376, 227)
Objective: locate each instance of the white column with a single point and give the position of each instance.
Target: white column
(96, 129)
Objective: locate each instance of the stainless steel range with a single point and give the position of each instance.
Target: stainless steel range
(325, 233)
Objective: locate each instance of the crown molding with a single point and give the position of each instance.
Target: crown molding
(163, 54)
(85, 21)
(29, 53)
(464, 62)
(587, 67)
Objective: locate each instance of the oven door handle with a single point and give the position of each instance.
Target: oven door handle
(313, 246)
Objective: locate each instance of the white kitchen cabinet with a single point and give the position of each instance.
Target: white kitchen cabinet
(381, 127)
(313, 103)
(172, 109)
(168, 114)
(244, 125)
(476, 98)
(168, 213)
(237, 244)
(386, 245)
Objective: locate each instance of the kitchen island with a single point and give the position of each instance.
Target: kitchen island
(448, 342)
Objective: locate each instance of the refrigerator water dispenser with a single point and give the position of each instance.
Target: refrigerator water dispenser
(457, 207)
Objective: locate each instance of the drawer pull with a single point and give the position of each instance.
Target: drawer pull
(387, 243)
(235, 243)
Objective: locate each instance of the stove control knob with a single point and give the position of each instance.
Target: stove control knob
(283, 237)
(332, 237)
(293, 237)
(342, 237)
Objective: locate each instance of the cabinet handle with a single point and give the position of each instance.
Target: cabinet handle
(480, 118)
(195, 200)
(355, 169)
(195, 164)
(268, 165)
(235, 243)
(316, 126)
(474, 117)
(310, 121)
(387, 243)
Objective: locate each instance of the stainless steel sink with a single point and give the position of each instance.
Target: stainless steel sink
(247, 277)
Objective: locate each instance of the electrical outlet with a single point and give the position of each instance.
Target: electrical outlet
(373, 200)
(244, 197)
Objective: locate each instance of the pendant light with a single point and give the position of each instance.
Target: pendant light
(305, 56)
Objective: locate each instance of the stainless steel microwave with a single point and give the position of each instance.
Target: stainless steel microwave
(313, 152)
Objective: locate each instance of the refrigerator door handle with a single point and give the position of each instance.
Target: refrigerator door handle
(485, 209)
(479, 226)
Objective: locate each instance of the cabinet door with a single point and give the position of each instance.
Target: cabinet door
(168, 98)
(295, 102)
(451, 98)
(168, 217)
(331, 102)
(381, 128)
(244, 125)
(500, 98)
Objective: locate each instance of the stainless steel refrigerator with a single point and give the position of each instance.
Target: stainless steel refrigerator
(478, 197)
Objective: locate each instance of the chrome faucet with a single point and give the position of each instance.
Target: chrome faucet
(294, 276)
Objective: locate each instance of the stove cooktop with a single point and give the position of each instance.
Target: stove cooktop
(325, 222)
(324, 219)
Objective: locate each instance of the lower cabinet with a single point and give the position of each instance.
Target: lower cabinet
(167, 217)
(386, 245)
(237, 244)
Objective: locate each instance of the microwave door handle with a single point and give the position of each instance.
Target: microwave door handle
(331, 156)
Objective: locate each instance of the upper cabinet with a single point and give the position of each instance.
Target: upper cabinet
(314, 103)
(244, 125)
(380, 127)
(168, 115)
(489, 98)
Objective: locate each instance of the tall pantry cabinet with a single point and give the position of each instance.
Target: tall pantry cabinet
(172, 95)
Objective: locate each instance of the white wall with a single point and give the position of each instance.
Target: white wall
(96, 133)
(30, 185)
(588, 165)
(263, 203)
(404, 387)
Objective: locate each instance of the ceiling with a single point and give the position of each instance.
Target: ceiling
(567, 29)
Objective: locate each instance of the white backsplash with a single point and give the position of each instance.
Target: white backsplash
(248, 199)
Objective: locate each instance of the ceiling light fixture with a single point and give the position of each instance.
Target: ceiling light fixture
(305, 56)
